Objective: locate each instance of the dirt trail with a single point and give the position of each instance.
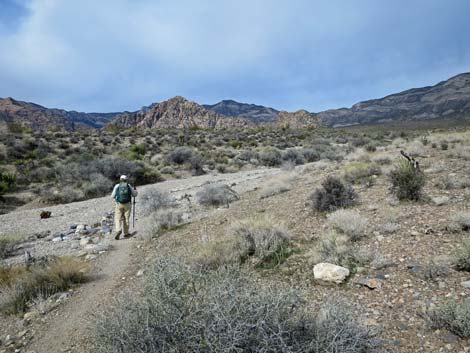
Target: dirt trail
(65, 330)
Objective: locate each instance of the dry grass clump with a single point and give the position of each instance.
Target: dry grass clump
(219, 252)
(350, 223)
(8, 244)
(390, 224)
(225, 311)
(216, 195)
(463, 152)
(21, 286)
(167, 219)
(268, 242)
(359, 172)
(460, 221)
(452, 316)
(449, 182)
(332, 195)
(416, 149)
(337, 249)
(461, 256)
(274, 188)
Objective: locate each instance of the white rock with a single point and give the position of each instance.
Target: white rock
(85, 241)
(440, 200)
(465, 284)
(330, 273)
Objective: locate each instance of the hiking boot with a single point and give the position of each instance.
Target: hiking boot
(118, 234)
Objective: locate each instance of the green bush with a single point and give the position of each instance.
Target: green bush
(461, 259)
(407, 181)
(270, 157)
(223, 311)
(452, 316)
(7, 182)
(332, 195)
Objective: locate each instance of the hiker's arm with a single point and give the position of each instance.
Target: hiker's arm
(113, 194)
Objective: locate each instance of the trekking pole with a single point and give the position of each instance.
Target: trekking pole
(133, 213)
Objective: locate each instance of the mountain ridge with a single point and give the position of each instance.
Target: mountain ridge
(447, 99)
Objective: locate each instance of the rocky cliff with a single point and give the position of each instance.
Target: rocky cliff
(298, 119)
(178, 112)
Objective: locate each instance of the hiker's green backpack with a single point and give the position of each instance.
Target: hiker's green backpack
(123, 193)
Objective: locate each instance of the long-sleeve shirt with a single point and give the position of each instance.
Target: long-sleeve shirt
(133, 191)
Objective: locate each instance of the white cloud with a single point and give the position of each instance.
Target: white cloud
(116, 54)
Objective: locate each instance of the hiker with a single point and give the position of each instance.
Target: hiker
(122, 194)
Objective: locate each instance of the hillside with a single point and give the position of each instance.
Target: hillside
(177, 112)
(447, 99)
(252, 112)
(37, 117)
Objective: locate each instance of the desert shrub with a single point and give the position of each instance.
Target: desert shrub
(332, 195)
(180, 155)
(460, 221)
(336, 249)
(371, 147)
(452, 316)
(463, 152)
(224, 311)
(382, 160)
(268, 242)
(416, 149)
(270, 156)
(357, 172)
(349, 222)
(154, 200)
(64, 195)
(196, 163)
(41, 174)
(8, 244)
(98, 185)
(294, 156)
(221, 252)
(461, 256)
(274, 188)
(310, 155)
(43, 279)
(216, 195)
(167, 170)
(407, 182)
(444, 146)
(167, 219)
(449, 182)
(7, 182)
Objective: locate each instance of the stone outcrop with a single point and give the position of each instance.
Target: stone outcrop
(178, 112)
(297, 120)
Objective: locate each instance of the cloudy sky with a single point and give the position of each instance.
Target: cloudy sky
(113, 55)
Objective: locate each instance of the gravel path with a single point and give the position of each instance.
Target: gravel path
(65, 330)
(90, 211)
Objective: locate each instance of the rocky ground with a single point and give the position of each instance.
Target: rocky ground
(390, 295)
(82, 229)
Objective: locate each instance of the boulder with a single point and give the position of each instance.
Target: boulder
(330, 273)
(85, 241)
